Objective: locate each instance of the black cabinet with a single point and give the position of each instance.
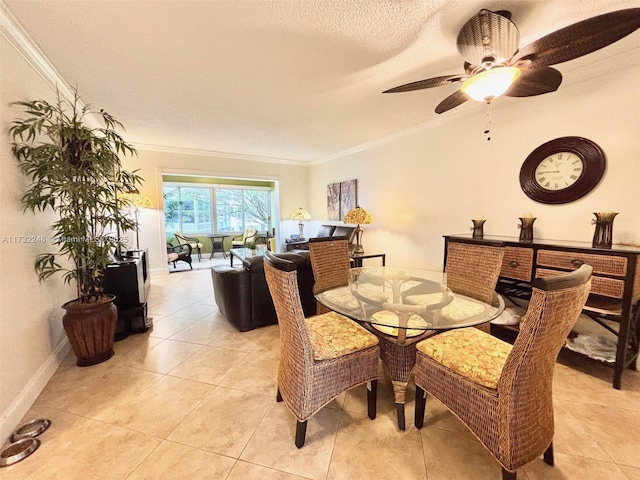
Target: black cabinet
(128, 279)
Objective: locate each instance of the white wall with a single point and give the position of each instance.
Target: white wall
(32, 340)
(434, 181)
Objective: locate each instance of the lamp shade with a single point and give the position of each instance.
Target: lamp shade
(487, 85)
(300, 214)
(137, 200)
(358, 215)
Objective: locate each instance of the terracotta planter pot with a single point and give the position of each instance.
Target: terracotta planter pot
(91, 328)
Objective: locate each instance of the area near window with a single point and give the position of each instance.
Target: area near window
(200, 205)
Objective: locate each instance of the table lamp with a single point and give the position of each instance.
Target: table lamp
(359, 216)
(301, 214)
(136, 201)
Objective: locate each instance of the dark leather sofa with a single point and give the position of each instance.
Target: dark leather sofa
(243, 297)
(324, 231)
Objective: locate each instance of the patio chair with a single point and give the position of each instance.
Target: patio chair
(193, 241)
(180, 252)
(249, 235)
(502, 393)
(320, 357)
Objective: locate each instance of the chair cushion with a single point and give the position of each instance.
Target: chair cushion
(458, 309)
(172, 257)
(470, 353)
(334, 335)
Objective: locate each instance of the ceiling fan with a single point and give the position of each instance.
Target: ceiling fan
(495, 66)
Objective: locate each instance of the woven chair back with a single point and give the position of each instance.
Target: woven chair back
(296, 353)
(473, 270)
(526, 381)
(330, 262)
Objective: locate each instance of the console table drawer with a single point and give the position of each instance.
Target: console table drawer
(603, 264)
(609, 287)
(517, 263)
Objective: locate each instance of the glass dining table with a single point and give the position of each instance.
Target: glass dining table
(403, 306)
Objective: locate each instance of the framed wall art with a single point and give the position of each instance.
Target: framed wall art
(341, 197)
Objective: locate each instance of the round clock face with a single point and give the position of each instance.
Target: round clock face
(562, 170)
(559, 171)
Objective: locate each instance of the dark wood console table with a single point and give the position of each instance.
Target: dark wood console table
(615, 285)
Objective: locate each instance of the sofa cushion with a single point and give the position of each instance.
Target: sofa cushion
(341, 231)
(256, 263)
(326, 230)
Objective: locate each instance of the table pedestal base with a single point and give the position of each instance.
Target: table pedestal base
(399, 360)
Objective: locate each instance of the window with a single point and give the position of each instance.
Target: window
(198, 210)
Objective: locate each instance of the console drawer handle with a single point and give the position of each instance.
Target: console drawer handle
(577, 262)
(513, 264)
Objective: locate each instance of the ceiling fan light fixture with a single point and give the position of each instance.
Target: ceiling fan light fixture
(487, 85)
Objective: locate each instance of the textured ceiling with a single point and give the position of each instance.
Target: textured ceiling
(295, 80)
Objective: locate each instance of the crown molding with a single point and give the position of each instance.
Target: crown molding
(213, 153)
(572, 76)
(392, 137)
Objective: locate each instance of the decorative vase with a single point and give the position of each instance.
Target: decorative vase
(91, 329)
(526, 228)
(478, 228)
(603, 235)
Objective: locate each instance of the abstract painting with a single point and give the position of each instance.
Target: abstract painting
(347, 197)
(341, 197)
(333, 201)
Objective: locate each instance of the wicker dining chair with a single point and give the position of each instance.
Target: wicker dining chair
(330, 262)
(473, 270)
(503, 392)
(321, 356)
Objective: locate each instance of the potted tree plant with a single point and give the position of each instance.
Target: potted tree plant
(75, 171)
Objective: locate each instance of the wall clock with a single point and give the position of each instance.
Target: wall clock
(562, 170)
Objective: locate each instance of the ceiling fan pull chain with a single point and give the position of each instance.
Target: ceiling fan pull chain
(487, 131)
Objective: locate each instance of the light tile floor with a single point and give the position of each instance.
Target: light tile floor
(195, 399)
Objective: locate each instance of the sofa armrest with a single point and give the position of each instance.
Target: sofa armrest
(232, 293)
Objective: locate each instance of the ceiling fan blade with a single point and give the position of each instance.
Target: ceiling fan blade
(535, 82)
(579, 38)
(488, 35)
(428, 83)
(452, 101)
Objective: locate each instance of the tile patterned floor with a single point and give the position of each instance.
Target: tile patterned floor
(195, 399)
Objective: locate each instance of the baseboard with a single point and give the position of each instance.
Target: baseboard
(18, 409)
